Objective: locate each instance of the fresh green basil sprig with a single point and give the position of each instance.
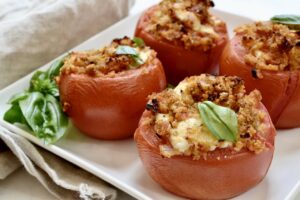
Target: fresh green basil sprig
(138, 42)
(292, 21)
(128, 50)
(38, 107)
(221, 121)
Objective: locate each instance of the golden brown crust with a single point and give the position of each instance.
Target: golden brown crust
(270, 46)
(105, 61)
(187, 22)
(176, 118)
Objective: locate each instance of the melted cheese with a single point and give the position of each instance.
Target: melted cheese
(191, 132)
(189, 17)
(193, 21)
(144, 54)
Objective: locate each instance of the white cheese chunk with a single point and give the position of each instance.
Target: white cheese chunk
(144, 55)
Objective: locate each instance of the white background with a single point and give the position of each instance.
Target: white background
(20, 185)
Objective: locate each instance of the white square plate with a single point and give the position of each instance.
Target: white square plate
(117, 162)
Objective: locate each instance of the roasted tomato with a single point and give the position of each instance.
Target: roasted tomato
(187, 158)
(267, 57)
(188, 39)
(105, 91)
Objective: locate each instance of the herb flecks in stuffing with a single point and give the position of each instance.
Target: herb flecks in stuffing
(270, 46)
(178, 122)
(119, 56)
(185, 22)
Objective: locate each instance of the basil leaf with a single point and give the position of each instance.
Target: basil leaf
(17, 97)
(14, 115)
(128, 50)
(292, 21)
(139, 42)
(55, 68)
(221, 121)
(44, 116)
(55, 123)
(137, 61)
(40, 83)
(36, 80)
(32, 109)
(39, 107)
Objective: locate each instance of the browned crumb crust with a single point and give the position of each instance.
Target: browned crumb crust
(270, 46)
(104, 61)
(173, 106)
(186, 22)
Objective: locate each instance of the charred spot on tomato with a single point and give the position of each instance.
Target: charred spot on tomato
(244, 136)
(183, 29)
(246, 38)
(254, 73)
(119, 40)
(285, 45)
(159, 136)
(153, 106)
(158, 27)
(212, 97)
(238, 81)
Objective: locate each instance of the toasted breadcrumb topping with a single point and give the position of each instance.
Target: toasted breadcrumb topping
(185, 22)
(178, 124)
(270, 46)
(105, 61)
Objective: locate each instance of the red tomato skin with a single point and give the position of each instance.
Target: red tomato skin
(290, 116)
(280, 89)
(222, 175)
(110, 108)
(179, 62)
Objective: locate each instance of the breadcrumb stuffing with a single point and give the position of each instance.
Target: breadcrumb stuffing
(270, 46)
(177, 121)
(105, 61)
(186, 22)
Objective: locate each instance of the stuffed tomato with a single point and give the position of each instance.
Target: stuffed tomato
(188, 39)
(267, 56)
(206, 139)
(104, 91)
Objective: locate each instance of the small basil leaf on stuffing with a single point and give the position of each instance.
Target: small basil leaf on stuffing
(138, 42)
(292, 21)
(220, 121)
(128, 50)
(254, 73)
